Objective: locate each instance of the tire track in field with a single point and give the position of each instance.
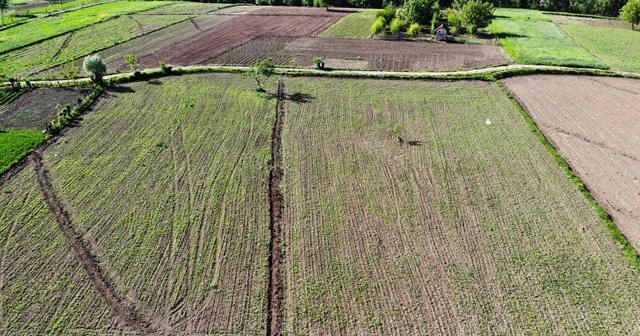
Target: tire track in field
(62, 46)
(119, 307)
(275, 290)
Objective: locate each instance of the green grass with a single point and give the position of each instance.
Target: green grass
(186, 7)
(356, 25)
(529, 38)
(15, 144)
(618, 48)
(56, 7)
(42, 29)
(50, 53)
(466, 246)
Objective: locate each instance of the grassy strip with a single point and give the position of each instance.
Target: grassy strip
(42, 29)
(16, 144)
(356, 25)
(619, 237)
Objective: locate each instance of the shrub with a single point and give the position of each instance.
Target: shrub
(132, 60)
(95, 67)
(413, 30)
(378, 26)
(453, 18)
(396, 25)
(477, 14)
(388, 13)
(165, 67)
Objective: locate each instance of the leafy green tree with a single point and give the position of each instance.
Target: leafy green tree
(419, 11)
(396, 25)
(453, 18)
(261, 70)
(388, 13)
(378, 26)
(477, 14)
(95, 67)
(413, 30)
(132, 60)
(631, 13)
(4, 5)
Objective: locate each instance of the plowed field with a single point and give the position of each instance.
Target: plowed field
(472, 230)
(365, 54)
(594, 124)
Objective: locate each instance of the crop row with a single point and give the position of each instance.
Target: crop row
(7, 96)
(187, 8)
(42, 29)
(356, 25)
(38, 57)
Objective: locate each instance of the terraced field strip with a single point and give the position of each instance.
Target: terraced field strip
(180, 215)
(356, 25)
(187, 8)
(592, 122)
(43, 288)
(45, 28)
(529, 37)
(470, 227)
(40, 56)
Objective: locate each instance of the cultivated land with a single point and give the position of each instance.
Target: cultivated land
(593, 122)
(179, 223)
(41, 29)
(365, 54)
(356, 25)
(529, 37)
(14, 144)
(437, 238)
(190, 8)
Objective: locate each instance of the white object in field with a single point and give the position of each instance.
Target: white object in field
(488, 122)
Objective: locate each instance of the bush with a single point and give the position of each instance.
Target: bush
(378, 26)
(477, 14)
(396, 25)
(413, 30)
(453, 18)
(388, 13)
(419, 11)
(165, 67)
(95, 67)
(473, 29)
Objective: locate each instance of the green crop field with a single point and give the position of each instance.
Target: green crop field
(530, 38)
(190, 8)
(618, 48)
(14, 144)
(58, 50)
(356, 25)
(55, 7)
(474, 229)
(178, 216)
(42, 29)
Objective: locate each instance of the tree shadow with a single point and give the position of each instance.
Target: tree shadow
(121, 89)
(512, 35)
(414, 143)
(298, 97)
(154, 82)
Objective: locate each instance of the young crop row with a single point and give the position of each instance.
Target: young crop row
(44, 289)
(41, 56)
(531, 39)
(356, 25)
(431, 236)
(7, 96)
(181, 213)
(48, 27)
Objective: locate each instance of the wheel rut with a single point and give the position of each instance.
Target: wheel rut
(120, 308)
(275, 288)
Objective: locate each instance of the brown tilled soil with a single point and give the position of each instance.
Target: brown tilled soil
(365, 54)
(35, 108)
(285, 21)
(594, 122)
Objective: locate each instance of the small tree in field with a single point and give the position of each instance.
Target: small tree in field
(477, 14)
(631, 13)
(413, 30)
(94, 66)
(132, 60)
(378, 26)
(261, 70)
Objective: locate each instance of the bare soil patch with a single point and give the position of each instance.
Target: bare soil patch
(593, 123)
(35, 108)
(367, 54)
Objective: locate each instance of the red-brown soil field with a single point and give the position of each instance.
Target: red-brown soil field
(365, 54)
(594, 123)
(285, 21)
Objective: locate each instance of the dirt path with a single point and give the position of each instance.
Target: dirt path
(275, 291)
(123, 310)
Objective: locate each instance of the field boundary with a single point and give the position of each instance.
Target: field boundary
(618, 236)
(119, 306)
(275, 291)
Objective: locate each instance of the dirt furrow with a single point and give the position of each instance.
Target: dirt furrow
(120, 308)
(275, 290)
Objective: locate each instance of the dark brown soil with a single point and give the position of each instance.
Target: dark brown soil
(35, 108)
(365, 54)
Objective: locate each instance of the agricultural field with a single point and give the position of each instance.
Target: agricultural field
(182, 195)
(68, 47)
(42, 29)
(364, 54)
(531, 38)
(56, 7)
(356, 25)
(593, 122)
(14, 144)
(7, 95)
(434, 237)
(187, 8)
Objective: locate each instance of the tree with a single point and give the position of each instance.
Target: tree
(419, 11)
(631, 13)
(378, 26)
(94, 66)
(388, 13)
(476, 14)
(396, 25)
(4, 4)
(261, 70)
(132, 60)
(413, 30)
